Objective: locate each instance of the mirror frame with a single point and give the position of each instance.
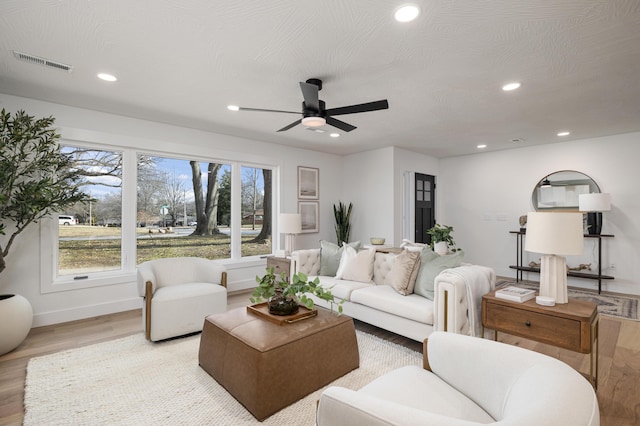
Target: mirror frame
(563, 193)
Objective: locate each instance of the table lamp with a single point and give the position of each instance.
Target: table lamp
(289, 224)
(593, 205)
(554, 235)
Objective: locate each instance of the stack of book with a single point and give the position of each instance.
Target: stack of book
(515, 294)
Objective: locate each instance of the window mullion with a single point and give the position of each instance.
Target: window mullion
(129, 198)
(236, 211)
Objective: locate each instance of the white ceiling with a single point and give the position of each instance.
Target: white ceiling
(183, 61)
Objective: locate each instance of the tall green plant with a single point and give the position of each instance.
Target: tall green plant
(342, 214)
(36, 179)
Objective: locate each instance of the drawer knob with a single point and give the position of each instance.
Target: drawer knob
(528, 323)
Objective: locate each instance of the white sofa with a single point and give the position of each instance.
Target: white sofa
(468, 381)
(455, 308)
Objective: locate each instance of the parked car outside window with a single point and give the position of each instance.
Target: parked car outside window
(67, 220)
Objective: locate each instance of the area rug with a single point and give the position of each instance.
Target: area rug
(608, 304)
(130, 381)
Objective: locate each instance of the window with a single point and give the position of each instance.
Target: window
(183, 208)
(147, 206)
(256, 211)
(94, 242)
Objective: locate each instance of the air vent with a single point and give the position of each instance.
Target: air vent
(517, 140)
(42, 61)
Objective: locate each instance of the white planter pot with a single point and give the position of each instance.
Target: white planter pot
(441, 248)
(16, 317)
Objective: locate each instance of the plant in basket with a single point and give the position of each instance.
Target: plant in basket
(284, 297)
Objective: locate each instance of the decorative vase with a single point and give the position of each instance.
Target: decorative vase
(16, 318)
(441, 248)
(282, 305)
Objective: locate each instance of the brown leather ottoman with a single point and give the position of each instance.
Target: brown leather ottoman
(267, 367)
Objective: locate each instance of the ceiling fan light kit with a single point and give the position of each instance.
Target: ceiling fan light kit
(313, 121)
(314, 113)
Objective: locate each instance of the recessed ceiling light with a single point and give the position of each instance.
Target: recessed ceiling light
(233, 107)
(482, 146)
(564, 133)
(334, 135)
(407, 13)
(511, 86)
(107, 77)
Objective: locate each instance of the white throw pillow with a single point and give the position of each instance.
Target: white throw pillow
(403, 273)
(356, 266)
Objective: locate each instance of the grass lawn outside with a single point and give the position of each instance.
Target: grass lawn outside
(92, 249)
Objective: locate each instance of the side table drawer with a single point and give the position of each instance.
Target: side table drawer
(561, 332)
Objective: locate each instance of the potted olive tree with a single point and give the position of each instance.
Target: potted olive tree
(36, 179)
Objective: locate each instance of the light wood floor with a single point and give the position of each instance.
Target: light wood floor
(619, 376)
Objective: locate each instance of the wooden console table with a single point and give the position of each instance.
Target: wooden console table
(573, 325)
(520, 268)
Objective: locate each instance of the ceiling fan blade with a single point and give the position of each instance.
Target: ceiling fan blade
(267, 110)
(310, 93)
(295, 123)
(353, 109)
(340, 124)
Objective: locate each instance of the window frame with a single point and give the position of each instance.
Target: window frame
(51, 282)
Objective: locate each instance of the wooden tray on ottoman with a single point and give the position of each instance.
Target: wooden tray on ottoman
(262, 310)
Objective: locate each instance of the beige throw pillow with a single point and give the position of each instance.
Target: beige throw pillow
(356, 266)
(403, 273)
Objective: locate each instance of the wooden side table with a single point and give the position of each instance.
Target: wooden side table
(572, 325)
(279, 265)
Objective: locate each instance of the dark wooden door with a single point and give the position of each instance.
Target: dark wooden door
(425, 206)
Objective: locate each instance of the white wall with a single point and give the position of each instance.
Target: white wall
(23, 275)
(408, 161)
(483, 195)
(374, 183)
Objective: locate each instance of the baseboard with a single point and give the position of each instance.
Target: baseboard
(90, 311)
(83, 312)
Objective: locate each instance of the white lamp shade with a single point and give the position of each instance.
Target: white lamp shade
(290, 223)
(559, 233)
(594, 202)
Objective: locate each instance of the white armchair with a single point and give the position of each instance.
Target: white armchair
(179, 293)
(466, 381)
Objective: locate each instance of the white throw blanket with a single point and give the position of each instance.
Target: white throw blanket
(479, 280)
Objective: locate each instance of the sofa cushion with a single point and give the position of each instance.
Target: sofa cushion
(404, 271)
(382, 264)
(435, 395)
(356, 266)
(430, 270)
(341, 289)
(330, 255)
(385, 298)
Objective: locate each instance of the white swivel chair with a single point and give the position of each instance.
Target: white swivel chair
(179, 293)
(468, 381)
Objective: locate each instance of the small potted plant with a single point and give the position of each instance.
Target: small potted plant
(284, 297)
(441, 240)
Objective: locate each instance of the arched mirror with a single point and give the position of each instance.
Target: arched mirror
(560, 190)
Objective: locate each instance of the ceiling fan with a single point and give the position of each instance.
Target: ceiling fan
(314, 113)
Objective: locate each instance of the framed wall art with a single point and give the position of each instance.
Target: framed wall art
(308, 183)
(309, 216)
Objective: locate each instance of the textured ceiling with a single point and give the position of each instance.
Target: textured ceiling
(183, 61)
